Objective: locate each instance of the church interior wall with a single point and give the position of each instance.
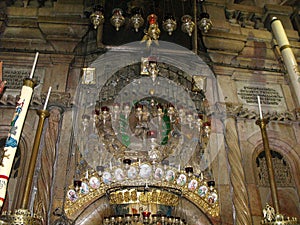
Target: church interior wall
(239, 56)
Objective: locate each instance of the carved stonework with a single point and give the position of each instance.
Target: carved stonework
(282, 171)
(237, 16)
(62, 99)
(237, 110)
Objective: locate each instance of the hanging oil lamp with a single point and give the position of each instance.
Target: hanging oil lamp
(97, 17)
(153, 32)
(117, 19)
(136, 20)
(205, 23)
(188, 25)
(169, 24)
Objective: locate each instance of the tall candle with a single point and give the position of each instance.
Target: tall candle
(34, 64)
(47, 98)
(259, 107)
(14, 134)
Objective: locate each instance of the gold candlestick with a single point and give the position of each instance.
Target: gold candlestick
(262, 123)
(23, 215)
(43, 114)
(271, 217)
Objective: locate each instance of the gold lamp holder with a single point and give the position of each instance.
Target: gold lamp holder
(23, 215)
(272, 216)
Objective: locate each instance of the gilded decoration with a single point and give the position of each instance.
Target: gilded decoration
(166, 190)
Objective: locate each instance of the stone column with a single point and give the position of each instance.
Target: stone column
(237, 176)
(288, 56)
(48, 158)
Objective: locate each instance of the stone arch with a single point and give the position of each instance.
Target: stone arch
(94, 213)
(288, 195)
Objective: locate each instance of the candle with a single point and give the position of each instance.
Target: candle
(179, 167)
(13, 138)
(34, 64)
(259, 107)
(47, 99)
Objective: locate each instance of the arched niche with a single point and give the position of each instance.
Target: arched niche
(284, 170)
(95, 212)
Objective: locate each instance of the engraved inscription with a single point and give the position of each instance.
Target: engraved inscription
(16, 76)
(268, 96)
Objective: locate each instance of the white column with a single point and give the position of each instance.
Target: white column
(288, 56)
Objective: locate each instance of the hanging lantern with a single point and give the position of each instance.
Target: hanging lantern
(204, 24)
(117, 19)
(153, 32)
(136, 20)
(169, 24)
(97, 17)
(188, 25)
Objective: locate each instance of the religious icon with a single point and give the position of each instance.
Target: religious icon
(94, 182)
(72, 195)
(158, 173)
(89, 76)
(106, 177)
(202, 190)
(170, 176)
(131, 172)
(181, 180)
(193, 185)
(119, 174)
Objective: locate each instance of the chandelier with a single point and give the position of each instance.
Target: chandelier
(154, 122)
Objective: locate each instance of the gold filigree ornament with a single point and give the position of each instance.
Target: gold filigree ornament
(271, 218)
(152, 190)
(21, 216)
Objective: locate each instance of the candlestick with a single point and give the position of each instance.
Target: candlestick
(34, 64)
(259, 107)
(43, 114)
(47, 98)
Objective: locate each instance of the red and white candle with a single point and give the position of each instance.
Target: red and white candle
(14, 134)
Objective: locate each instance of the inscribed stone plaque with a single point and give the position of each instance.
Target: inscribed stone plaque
(271, 96)
(15, 77)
